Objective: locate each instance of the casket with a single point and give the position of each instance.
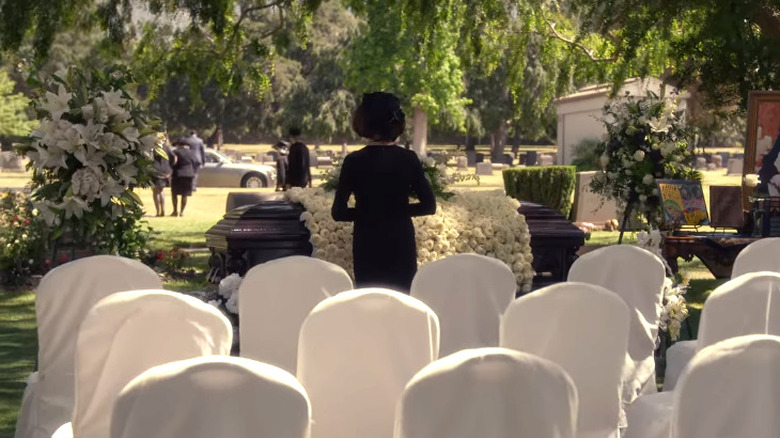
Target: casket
(254, 234)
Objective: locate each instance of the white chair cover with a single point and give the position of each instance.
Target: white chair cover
(276, 297)
(488, 393)
(761, 255)
(637, 276)
(469, 293)
(357, 351)
(650, 416)
(209, 397)
(127, 333)
(748, 304)
(63, 298)
(588, 340)
(731, 389)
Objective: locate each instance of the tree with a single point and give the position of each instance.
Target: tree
(13, 116)
(392, 54)
(723, 48)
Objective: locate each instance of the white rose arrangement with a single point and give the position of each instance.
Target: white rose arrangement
(485, 223)
(674, 307)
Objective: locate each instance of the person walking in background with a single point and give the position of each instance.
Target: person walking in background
(183, 174)
(298, 168)
(198, 149)
(163, 170)
(381, 176)
(282, 149)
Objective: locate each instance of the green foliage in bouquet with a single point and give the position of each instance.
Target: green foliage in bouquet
(93, 146)
(647, 139)
(552, 186)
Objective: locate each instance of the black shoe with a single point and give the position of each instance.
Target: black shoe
(174, 214)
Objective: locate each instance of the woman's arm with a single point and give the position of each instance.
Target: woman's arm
(422, 188)
(340, 211)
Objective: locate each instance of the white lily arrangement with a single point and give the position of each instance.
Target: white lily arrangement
(484, 222)
(94, 145)
(674, 308)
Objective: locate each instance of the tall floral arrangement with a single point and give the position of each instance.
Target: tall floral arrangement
(647, 139)
(93, 146)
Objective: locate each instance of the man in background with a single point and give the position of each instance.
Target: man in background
(198, 149)
(298, 170)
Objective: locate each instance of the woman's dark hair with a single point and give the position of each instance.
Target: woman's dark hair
(379, 117)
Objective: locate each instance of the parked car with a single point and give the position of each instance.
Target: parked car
(221, 171)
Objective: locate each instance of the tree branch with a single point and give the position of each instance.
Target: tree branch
(571, 42)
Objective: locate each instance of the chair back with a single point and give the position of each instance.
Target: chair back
(63, 298)
(761, 255)
(488, 393)
(212, 396)
(730, 389)
(588, 338)
(276, 297)
(637, 276)
(127, 333)
(357, 351)
(749, 304)
(469, 293)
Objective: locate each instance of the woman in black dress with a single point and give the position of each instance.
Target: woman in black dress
(382, 175)
(183, 174)
(163, 170)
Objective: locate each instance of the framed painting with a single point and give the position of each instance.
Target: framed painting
(762, 145)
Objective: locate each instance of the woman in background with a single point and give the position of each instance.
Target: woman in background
(163, 169)
(183, 175)
(381, 176)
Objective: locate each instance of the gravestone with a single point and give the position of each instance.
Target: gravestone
(484, 168)
(545, 160)
(589, 206)
(717, 161)
(724, 158)
(530, 158)
(11, 162)
(344, 151)
(701, 163)
(480, 157)
(471, 158)
(734, 166)
(508, 159)
(711, 166)
(462, 163)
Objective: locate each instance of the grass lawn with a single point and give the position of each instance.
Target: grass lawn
(18, 340)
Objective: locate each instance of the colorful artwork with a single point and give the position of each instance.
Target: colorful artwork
(683, 202)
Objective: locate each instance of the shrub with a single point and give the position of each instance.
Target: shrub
(552, 186)
(23, 239)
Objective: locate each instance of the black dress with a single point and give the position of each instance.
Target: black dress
(183, 172)
(298, 168)
(383, 246)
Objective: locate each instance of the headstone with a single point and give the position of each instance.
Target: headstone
(11, 162)
(589, 206)
(701, 163)
(545, 160)
(724, 158)
(344, 151)
(480, 157)
(508, 159)
(530, 158)
(711, 166)
(462, 162)
(554, 156)
(484, 168)
(471, 158)
(734, 166)
(717, 161)
(324, 161)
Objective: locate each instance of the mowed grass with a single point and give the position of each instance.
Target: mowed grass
(18, 337)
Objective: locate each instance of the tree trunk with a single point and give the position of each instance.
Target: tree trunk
(497, 144)
(420, 131)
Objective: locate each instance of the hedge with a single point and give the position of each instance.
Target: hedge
(551, 186)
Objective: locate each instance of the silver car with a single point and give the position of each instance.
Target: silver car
(221, 171)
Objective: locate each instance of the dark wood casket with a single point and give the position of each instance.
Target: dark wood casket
(254, 234)
(554, 242)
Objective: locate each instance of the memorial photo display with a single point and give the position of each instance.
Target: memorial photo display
(682, 202)
(762, 146)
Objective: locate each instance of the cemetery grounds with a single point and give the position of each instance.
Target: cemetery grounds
(18, 339)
